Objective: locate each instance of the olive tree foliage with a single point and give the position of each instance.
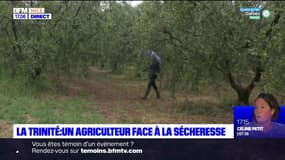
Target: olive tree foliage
(232, 47)
(181, 32)
(119, 36)
(238, 47)
(273, 79)
(75, 25)
(34, 47)
(213, 43)
(158, 30)
(175, 30)
(200, 43)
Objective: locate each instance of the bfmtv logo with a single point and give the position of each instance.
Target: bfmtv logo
(28, 10)
(31, 13)
(20, 10)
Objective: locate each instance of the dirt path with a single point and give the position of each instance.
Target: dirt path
(118, 100)
(6, 129)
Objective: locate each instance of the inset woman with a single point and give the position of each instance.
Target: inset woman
(266, 109)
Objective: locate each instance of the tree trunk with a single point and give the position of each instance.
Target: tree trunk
(115, 67)
(36, 73)
(18, 53)
(244, 92)
(243, 95)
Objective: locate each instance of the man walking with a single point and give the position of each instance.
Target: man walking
(154, 69)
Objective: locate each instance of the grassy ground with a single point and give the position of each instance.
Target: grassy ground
(103, 97)
(118, 100)
(22, 104)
